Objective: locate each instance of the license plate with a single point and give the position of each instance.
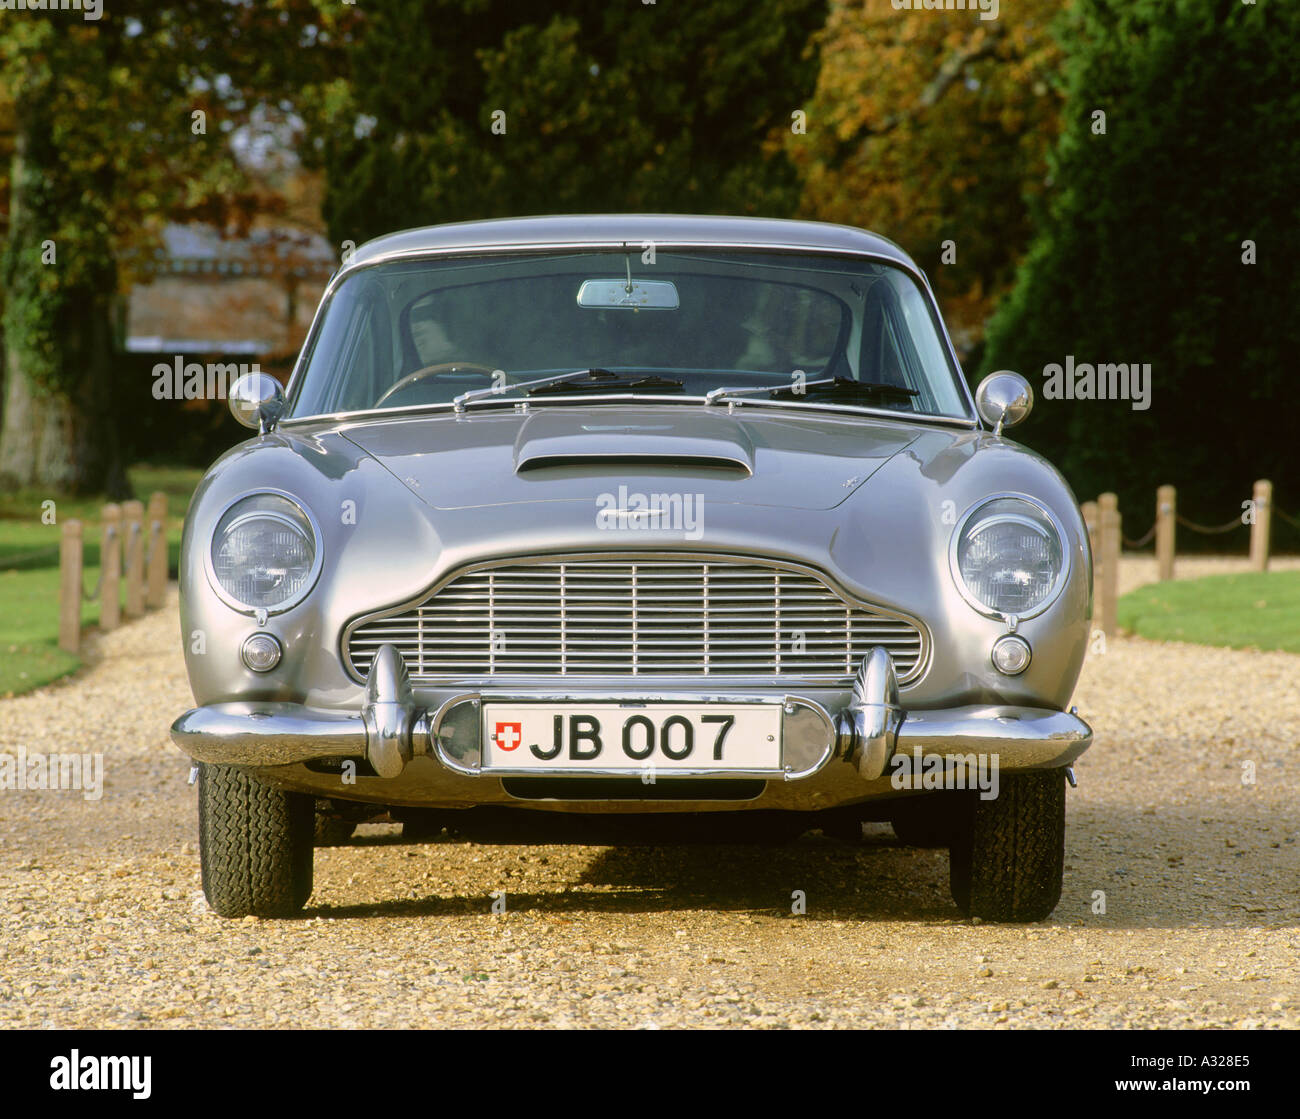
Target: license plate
(632, 738)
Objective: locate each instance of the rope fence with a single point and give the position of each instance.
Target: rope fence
(1294, 522)
(1209, 530)
(127, 560)
(1137, 545)
(1104, 524)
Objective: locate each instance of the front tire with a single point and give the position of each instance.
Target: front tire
(255, 844)
(1008, 854)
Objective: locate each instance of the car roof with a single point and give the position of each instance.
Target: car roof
(631, 229)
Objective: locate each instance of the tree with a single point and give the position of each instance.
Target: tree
(1170, 238)
(108, 144)
(932, 127)
(456, 109)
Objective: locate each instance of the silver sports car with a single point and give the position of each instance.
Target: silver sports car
(633, 528)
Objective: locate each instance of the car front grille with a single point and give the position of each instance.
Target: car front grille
(624, 616)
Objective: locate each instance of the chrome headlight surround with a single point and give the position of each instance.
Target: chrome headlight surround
(296, 517)
(972, 520)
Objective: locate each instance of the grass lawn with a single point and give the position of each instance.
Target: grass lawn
(29, 571)
(29, 630)
(1257, 611)
(26, 542)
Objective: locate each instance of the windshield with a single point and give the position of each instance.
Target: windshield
(676, 324)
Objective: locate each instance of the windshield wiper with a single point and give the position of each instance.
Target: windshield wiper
(824, 385)
(603, 378)
(580, 379)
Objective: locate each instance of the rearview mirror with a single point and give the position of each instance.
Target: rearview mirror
(1003, 399)
(256, 400)
(635, 295)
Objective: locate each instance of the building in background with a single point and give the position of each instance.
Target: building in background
(251, 297)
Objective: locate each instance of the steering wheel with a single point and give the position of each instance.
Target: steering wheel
(430, 372)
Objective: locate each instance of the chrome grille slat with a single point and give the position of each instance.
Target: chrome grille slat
(625, 616)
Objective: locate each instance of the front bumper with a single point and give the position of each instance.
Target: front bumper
(856, 744)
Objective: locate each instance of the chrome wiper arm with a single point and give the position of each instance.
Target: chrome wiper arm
(459, 402)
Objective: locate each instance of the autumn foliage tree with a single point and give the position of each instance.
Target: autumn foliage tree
(932, 128)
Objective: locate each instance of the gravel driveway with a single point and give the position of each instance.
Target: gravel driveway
(104, 923)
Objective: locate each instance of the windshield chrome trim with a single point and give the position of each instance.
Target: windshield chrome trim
(567, 399)
(901, 262)
(543, 247)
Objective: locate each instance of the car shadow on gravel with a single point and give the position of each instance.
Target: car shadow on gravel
(877, 879)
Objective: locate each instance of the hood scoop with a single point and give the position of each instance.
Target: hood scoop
(692, 441)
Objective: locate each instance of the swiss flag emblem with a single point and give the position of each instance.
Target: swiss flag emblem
(508, 735)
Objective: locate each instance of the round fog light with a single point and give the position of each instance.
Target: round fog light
(261, 652)
(1011, 655)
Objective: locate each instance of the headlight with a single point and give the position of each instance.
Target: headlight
(265, 553)
(1007, 557)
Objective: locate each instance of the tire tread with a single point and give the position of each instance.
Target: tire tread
(255, 843)
(1009, 855)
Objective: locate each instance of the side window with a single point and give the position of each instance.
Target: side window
(882, 358)
(891, 357)
(356, 360)
(365, 360)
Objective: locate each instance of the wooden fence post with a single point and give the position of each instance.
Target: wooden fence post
(1166, 512)
(133, 516)
(110, 568)
(1093, 526)
(70, 587)
(157, 550)
(1259, 531)
(1108, 510)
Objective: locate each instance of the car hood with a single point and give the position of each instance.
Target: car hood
(404, 501)
(800, 460)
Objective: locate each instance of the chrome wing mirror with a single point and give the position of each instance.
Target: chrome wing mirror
(256, 401)
(1003, 399)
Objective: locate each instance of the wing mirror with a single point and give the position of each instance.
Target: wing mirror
(256, 401)
(1003, 399)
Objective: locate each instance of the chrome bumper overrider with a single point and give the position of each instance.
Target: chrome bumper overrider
(390, 730)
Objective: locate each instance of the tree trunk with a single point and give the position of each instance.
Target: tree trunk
(60, 442)
(62, 435)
